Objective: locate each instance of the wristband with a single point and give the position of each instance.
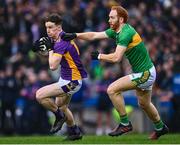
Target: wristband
(99, 56)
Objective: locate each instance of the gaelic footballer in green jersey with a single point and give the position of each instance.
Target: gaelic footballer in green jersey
(144, 72)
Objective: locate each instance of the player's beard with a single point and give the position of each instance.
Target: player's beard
(115, 26)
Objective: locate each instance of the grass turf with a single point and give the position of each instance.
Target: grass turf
(125, 139)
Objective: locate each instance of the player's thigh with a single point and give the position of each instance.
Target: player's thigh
(144, 96)
(62, 99)
(49, 91)
(122, 84)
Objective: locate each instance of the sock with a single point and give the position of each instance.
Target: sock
(59, 113)
(124, 120)
(158, 125)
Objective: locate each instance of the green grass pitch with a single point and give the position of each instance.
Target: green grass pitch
(87, 139)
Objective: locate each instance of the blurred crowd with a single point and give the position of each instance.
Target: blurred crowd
(22, 72)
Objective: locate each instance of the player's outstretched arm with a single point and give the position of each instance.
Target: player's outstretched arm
(92, 35)
(84, 36)
(112, 57)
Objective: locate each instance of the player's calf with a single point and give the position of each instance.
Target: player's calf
(60, 119)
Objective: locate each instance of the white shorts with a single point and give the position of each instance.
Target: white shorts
(144, 80)
(70, 86)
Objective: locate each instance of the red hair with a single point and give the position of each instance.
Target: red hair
(122, 12)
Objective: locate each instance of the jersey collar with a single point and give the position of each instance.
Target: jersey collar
(120, 29)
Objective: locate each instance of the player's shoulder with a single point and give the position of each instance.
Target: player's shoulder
(127, 31)
(61, 44)
(110, 33)
(127, 28)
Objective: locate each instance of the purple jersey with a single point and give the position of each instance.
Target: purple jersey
(71, 65)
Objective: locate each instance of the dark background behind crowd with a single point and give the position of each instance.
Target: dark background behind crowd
(22, 72)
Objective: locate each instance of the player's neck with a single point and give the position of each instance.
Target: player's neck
(120, 28)
(58, 38)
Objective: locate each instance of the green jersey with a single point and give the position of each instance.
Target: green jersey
(136, 51)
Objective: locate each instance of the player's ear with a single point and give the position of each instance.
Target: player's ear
(59, 27)
(121, 19)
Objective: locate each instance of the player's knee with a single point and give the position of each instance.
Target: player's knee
(39, 95)
(111, 92)
(143, 105)
(63, 108)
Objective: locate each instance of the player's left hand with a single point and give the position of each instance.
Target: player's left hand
(94, 55)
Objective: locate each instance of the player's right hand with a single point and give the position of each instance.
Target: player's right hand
(43, 44)
(35, 47)
(68, 36)
(47, 42)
